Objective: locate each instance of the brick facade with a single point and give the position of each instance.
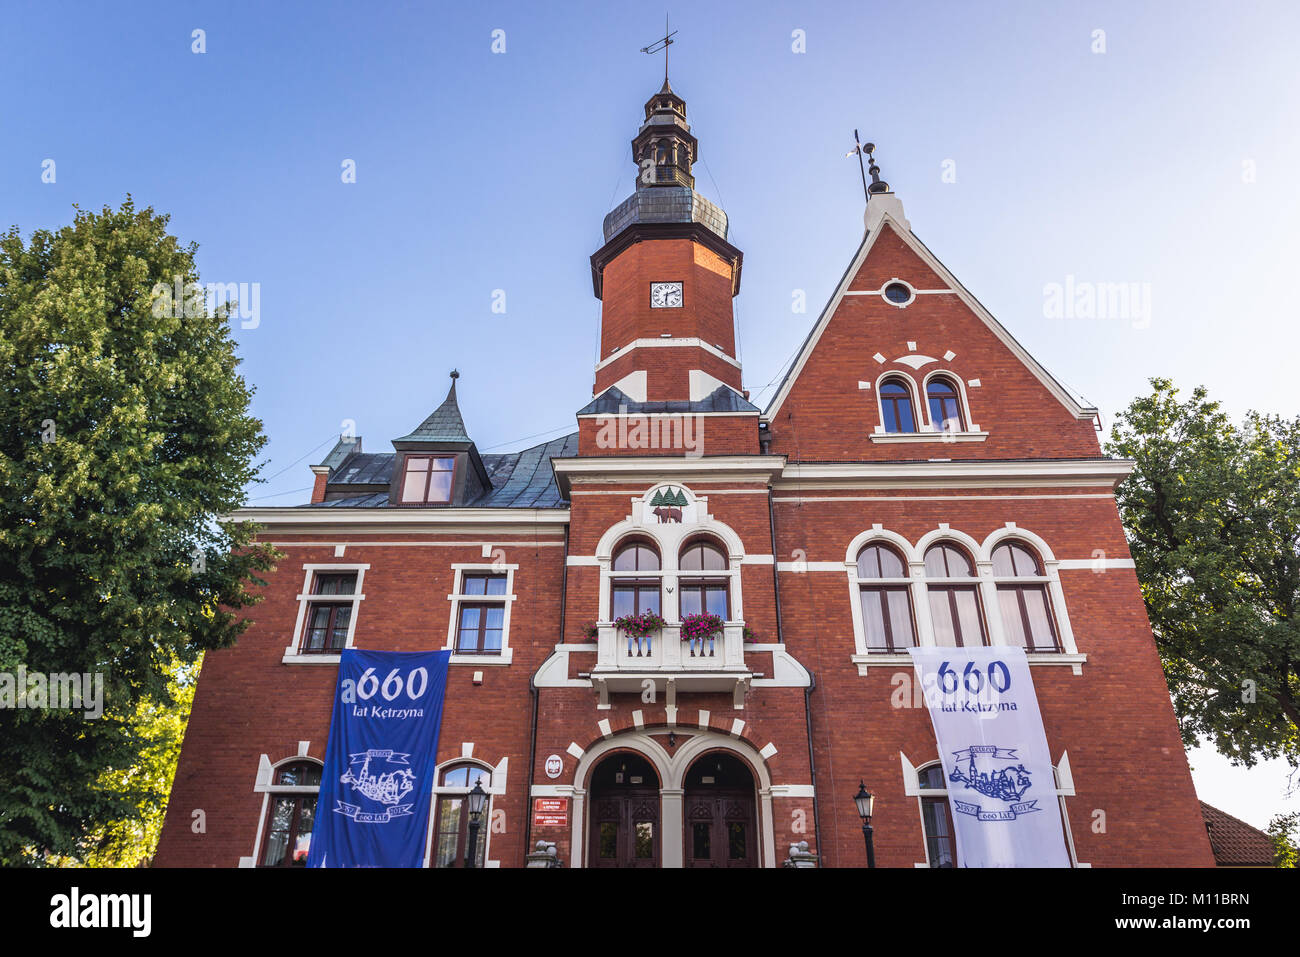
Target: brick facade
(808, 718)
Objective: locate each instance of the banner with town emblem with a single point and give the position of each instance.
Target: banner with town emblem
(996, 762)
(373, 809)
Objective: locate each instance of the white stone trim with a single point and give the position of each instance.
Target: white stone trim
(306, 519)
(457, 596)
(671, 771)
(292, 655)
(1104, 473)
(940, 437)
(685, 342)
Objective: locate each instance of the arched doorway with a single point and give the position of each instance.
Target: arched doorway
(719, 819)
(624, 799)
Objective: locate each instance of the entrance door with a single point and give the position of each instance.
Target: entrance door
(719, 814)
(624, 829)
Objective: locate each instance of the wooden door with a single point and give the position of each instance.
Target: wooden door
(624, 829)
(720, 829)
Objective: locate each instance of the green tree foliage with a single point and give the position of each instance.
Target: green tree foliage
(1212, 512)
(1282, 829)
(124, 432)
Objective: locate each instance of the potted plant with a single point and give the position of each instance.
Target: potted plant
(639, 627)
(701, 628)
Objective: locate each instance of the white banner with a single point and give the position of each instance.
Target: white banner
(996, 764)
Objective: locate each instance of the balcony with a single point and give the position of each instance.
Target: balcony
(624, 663)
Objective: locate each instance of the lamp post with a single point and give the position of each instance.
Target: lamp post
(864, 799)
(477, 800)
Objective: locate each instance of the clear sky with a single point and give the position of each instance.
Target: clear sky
(1168, 160)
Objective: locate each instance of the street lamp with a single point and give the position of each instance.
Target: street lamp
(477, 800)
(865, 800)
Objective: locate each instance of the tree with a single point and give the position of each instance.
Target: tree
(1282, 829)
(1212, 513)
(124, 433)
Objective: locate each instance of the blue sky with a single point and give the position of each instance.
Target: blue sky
(1167, 160)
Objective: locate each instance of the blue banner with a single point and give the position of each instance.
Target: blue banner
(376, 787)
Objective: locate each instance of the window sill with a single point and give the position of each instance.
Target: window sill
(895, 660)
(942, 437)
(502, 659)
(292, 659)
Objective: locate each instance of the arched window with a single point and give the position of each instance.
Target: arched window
(703, 579)
(1023, 599)
(704, 587)
(451, 833)
(886, 597)
(945, 405)
(936, 818)
(662, 154)
(291, 815)
(634, 579)
(896, 406)
(954, 596)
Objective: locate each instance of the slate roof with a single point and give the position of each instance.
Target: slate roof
(613, 401)
(444, 423)
(1236, 843)
(519, 479)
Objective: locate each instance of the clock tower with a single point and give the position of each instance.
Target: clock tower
(665, 277)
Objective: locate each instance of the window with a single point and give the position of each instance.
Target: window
(328, 622)
(427, 479)
(1023, 599)
(945, 406)
(291, 815)
(896, 406)
(936, 819)
(885, 593)
(704, 580)
(482, 624)
(451, 816)
(954, 597)
(898, 293)
(634, 580)
(479, 630)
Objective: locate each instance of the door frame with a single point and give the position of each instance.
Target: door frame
(672, 775)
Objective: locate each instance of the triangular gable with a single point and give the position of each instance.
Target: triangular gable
(947, 280)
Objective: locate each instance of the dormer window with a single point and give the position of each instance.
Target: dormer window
(427, 480)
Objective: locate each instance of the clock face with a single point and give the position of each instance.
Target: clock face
(666, 295)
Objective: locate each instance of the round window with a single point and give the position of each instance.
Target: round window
(898, 292)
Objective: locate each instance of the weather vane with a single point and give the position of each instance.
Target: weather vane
(861, 149)
(663, 43)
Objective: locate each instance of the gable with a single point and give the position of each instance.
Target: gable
(827, 408)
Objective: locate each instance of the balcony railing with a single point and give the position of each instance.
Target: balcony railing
(666, 651)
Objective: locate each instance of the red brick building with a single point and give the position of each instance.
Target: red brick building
(918, 478)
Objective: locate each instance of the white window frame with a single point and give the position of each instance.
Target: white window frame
(912, 788)
(960, 387)
(293, 654)
(457, 596)
(496, 785)
(982, 554)
(266, 772)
